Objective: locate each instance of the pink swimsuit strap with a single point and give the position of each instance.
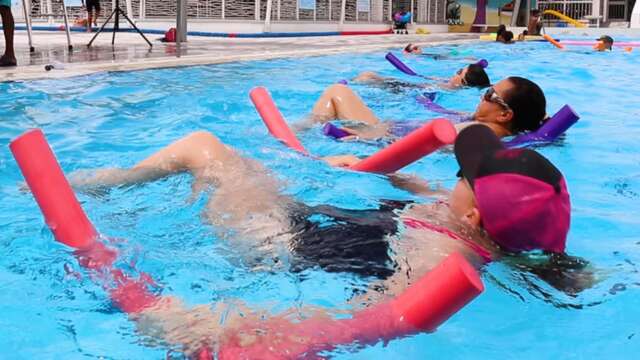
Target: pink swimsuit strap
(419, 224)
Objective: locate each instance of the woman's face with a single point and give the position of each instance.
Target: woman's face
(489, 111)
(458, 80)
(461, 200)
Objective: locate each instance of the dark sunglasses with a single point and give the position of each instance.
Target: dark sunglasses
(491, 96)
(463, 80)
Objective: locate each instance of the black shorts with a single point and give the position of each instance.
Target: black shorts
(93, 4)
(341, 240)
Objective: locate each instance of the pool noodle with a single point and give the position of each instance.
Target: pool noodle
(61, 209)
(273, 119)
(69, 223)
(333, 131)
(423, 306)
(400, 65)
(560, 122)
(553, 41)
(591, 43)
(429, 104)
(53, 194)
(407, 70)
(410, 148)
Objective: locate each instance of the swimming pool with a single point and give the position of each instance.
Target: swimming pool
(115, 119)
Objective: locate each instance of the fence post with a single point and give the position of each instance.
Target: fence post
(257, 10)
(267, 17)
(343, 9)
(143, 9)
(181, 22)
(413, 14)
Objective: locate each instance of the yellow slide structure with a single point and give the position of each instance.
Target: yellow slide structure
(564, 17)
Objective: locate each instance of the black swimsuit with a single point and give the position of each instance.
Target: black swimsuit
(342, 240)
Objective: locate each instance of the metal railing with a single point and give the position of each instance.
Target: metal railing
(618, 10)
(357, 11)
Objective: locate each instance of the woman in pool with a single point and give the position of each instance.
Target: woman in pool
(511, 106)
(472, 75)
(505, 201)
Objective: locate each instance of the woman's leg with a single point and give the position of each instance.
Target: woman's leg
(193, 153)
(369, 77)
(340, 102)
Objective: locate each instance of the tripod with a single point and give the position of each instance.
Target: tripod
(116, 25)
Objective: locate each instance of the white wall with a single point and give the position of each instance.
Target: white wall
(635, 16)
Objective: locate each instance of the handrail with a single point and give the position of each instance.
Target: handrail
(564, 17)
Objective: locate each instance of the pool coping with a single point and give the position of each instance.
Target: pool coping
(37, 72)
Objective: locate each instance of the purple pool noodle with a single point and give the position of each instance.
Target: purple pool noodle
(399, 64)
(430, 105)
(550, 130)
(483, 62)
(333, 131)
(343, 82)
(427, 101)
(431, 95)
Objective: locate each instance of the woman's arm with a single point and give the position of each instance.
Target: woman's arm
(415, 185)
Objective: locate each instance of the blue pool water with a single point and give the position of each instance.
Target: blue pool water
(116, 119)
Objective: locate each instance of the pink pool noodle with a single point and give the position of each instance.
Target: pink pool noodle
(273, 119)
(591, 43)
(68, 222)
(417, 144)
(422, 307)
(61, 209)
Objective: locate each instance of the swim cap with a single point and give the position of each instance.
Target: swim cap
(522, 197)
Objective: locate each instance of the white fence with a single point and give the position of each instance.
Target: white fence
(575, 9)
(611, 10)
(366, 11)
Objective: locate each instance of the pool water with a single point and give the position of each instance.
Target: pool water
(51, 309)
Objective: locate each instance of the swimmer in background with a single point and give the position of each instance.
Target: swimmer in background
(604, 43)
(534, 26)
(523, 36)
(504, 36)
(472, 75)
(412, 49)
(506, 202)
(511, 106)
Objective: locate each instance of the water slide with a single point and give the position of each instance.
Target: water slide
(563, 17)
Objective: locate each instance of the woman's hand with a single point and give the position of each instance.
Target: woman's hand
(341, 160)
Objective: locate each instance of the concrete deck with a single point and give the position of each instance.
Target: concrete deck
(132, 53)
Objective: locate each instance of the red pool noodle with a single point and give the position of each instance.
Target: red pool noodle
(412, 147)
(422, 307)
(69, 223)
(56, 199)
(273, 118)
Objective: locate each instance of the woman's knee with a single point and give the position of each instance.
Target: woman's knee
(203, 137)
(366, 75)
(338, 90)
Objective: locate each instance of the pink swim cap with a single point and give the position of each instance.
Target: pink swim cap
(522, 197)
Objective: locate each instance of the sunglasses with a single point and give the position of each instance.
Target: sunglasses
(462, 79)
(492, 96)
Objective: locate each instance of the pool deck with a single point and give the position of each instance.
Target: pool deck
(132, 53)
